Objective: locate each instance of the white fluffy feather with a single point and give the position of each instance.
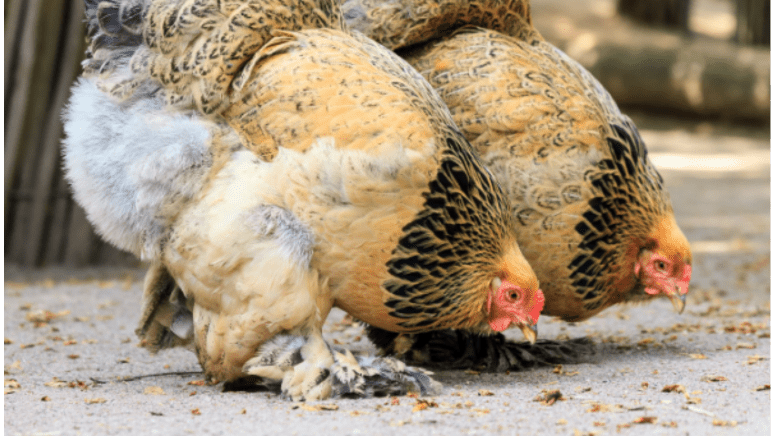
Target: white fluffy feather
(124, 160)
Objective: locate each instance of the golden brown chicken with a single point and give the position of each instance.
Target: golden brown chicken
(272, 166)
(591, 213)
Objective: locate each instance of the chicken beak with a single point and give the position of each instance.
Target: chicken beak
(678, 300)
(530, 332)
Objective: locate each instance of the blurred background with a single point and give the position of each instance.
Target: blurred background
(683, 69)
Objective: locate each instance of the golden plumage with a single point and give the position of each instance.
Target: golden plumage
(586, 199)
(335, 176)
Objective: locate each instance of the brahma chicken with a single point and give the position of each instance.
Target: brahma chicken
(270, 166)
(590, 210)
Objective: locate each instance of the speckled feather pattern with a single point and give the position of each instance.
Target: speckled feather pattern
(397, 24)
(574, 167)
(200, 51)
(344, 181)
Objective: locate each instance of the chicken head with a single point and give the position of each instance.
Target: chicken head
(515, 297)
(665, 265)
(509, 304)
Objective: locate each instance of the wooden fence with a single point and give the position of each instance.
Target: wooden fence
(44, 45)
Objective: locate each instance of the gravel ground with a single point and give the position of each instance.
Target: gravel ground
(62, 367)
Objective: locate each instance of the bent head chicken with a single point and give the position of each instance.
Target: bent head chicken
(590, 210)
(271, 165)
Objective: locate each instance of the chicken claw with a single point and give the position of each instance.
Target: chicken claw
(300, 365)
(307, 369)
(371, 376)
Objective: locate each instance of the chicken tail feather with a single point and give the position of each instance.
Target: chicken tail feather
(166, 322)
(457, 349)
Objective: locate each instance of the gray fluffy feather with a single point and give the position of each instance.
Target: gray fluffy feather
(294, 238)
(125, 160)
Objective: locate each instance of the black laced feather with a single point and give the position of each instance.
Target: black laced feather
(629, 194)
(451, 246)
(459, 349)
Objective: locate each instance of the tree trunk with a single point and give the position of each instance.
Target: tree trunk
(672, 14)
(753, 22)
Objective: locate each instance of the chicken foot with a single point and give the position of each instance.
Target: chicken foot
(281, 361)
(300, 364)
(371, 376)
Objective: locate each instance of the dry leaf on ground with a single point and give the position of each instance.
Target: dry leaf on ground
(714, 378)
(674, 388)
(95, 400)
(600, 407)
(55, 383)
(153, 390)
(549, 397)
(44, 316)
(422, 404)
(721, 423)
(315, 407)
(11, 386)
(755, 358)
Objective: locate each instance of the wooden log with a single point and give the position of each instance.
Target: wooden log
(672, 14)
(670, 72)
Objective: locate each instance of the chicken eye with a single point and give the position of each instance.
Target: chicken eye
(661, 265)
(513, 295)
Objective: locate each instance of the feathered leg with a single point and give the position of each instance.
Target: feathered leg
(302, 369)
(371, 376)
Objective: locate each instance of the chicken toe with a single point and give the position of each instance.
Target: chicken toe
(367, 376)
(301, 365)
